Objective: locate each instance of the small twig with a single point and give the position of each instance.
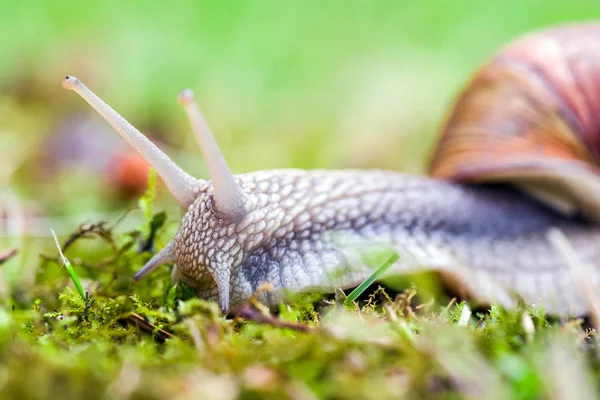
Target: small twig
(452, 301)
(121, 218)
(390, 311)
(89, 301)
(403, 302)
(250, 312)
(105, 234)
(196, 337)
(7, 255)
(87, 231)
(148, 326)
(79, 262)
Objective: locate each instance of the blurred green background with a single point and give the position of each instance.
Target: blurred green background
(301, 84)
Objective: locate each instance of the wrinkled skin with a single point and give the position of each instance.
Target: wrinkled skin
(308, 230)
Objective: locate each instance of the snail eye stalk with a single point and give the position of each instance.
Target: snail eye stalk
(229, 198)
(182, 185)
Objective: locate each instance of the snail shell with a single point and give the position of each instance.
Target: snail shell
(531, 117)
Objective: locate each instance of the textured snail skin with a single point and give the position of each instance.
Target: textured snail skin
(305, 230)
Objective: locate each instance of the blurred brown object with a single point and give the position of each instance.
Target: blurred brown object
(6, 255)
(127, 171)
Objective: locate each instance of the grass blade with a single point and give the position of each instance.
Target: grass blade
(372, 278)
(74, 277)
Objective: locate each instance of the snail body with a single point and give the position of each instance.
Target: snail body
(491, 240)
(309, 230)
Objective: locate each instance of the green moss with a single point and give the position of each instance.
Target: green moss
(155, 340)
(368, 351)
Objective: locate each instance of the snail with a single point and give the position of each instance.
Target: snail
(516, 160)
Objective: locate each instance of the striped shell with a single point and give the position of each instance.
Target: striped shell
(531, 117)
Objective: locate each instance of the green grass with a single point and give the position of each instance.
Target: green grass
(360, 289)
(69, 268)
